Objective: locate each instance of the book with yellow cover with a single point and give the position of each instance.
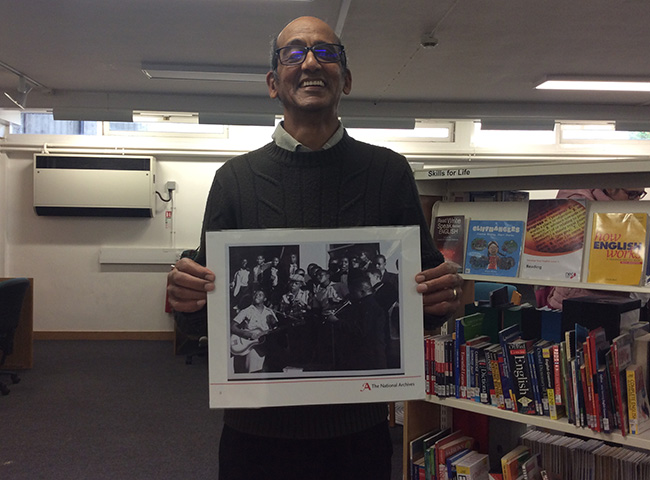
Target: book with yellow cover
(618, 248)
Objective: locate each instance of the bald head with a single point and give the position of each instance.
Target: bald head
(298, 28)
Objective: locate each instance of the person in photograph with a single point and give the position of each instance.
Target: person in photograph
(239, 285)
(364, 260)
(292, 267)
(251, 325)
(296, 302)
(331, 295)
(345, 269)
(360, 329)
(271, 282)
(258, 270)
(386, 276)
(314, 175)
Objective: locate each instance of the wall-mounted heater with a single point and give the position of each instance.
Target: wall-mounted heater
(94, 185)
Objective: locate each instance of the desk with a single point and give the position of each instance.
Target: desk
(23, 356)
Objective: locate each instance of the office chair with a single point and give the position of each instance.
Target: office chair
(12, 294)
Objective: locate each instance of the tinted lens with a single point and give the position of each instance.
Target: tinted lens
(327, 52)
(292, 55)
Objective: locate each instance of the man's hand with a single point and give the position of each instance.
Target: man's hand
(440, 288)
(188, 284)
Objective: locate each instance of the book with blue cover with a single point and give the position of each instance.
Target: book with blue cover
(494, 247)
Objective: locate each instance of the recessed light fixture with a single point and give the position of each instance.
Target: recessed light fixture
(204, 72)
(595, 84)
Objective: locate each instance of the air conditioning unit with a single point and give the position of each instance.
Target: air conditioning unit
(94, 185)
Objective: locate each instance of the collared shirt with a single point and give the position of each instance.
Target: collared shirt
(283, 140)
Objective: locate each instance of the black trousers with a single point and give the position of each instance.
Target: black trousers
(361, 456)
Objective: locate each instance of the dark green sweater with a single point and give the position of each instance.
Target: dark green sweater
(351, 184)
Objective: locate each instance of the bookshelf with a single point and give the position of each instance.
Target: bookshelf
(536, 174)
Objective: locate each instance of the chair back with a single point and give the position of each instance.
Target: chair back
(12, 294)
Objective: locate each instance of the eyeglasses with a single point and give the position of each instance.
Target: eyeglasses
(635, 194)
(324, 53)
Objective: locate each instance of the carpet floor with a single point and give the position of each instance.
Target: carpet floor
(114, 410)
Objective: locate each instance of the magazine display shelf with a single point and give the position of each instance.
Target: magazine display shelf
(544, 174)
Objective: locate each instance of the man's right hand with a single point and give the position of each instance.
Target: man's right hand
(188, 284)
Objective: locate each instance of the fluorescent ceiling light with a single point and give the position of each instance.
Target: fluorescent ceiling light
(204, 72)
(595, 84)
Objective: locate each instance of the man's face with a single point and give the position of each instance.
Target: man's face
(276, 261)
(381, 264)
(310, 86)
(323, 277)
(260, 260)
(259, 298)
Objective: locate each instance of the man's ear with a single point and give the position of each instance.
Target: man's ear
(347, 82)
(270, 82)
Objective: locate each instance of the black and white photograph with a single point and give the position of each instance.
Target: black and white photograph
(311, 306)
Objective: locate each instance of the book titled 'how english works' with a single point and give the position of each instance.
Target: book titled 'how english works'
(617, 251)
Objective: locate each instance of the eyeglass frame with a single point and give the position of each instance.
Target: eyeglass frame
(342, 57)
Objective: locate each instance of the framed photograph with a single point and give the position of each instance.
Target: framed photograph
(314, 316)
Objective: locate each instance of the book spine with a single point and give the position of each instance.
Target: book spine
(520, 378)
(459, 339)
(534, 380)
(556, 391)
(506, 378)
(484, 388)
(427, 367)
(632, 401)
(603, 394)
(620, 391)
(544, 364)
(449, 372)
(463, 371)
(566, 393)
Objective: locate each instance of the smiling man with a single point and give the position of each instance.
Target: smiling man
(313, 175)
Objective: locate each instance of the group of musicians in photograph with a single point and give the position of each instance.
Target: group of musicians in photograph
(341, 318)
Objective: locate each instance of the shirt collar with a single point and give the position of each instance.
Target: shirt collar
(283, 140)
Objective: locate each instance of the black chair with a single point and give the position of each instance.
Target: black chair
(12, 294)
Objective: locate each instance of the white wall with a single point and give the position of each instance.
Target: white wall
(72, 291)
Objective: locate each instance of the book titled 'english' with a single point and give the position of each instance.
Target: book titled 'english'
(617, 250)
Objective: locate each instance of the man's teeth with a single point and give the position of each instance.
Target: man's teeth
(313, 83)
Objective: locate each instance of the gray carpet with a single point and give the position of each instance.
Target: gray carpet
(113, 410)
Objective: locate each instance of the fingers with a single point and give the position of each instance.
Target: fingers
(441, 289)
(188, 284)
(442, 277)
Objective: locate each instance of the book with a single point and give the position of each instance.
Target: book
(617, 249)
(511, 462)
(521, 377)
(416, 453)
(449, 237)
(506, 335)
(466, 328)
(638, 407)
(428, 444)
(554, 240)
(473, 466)
(494, 247)
(448, 446)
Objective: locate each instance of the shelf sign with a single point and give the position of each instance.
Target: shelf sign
(461, 172)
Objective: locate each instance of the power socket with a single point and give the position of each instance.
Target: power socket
(170, 186)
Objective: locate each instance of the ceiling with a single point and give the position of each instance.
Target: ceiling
(88, 55)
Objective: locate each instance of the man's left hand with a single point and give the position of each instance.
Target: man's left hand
(441, 289)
